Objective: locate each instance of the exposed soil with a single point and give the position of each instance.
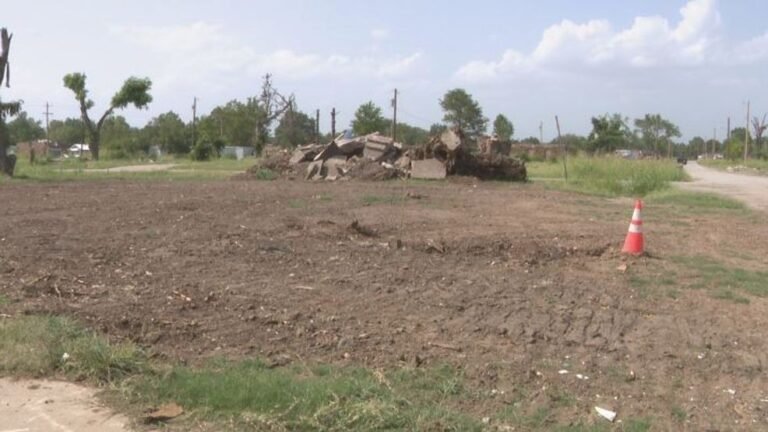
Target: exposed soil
(512, 283)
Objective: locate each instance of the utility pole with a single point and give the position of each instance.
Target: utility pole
(291, 133)
(746, 136)
(541, 132)
(394, 117)
(194, 121)
(333, 124)
(317, 126)
(565, 149)
(714, 143)
(728, 133)
(48, 115)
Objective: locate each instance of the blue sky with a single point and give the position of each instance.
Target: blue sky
(696, 62)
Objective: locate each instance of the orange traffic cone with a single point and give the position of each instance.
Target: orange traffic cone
(634, 242)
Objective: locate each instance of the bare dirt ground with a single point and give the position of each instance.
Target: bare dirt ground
(512, 283)
(43, 406)
(751, 189)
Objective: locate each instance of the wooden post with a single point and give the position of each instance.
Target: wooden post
(333, 124)
(394, 117)
(746, 136)
(564, 146)
(317, 126)
(194, 121)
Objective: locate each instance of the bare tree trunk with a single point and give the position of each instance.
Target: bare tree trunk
(7, 163)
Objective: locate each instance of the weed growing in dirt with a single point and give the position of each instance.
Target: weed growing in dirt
(679, 414)
(4, 300)
(609, 176)
(266, 174)
(40, 346)
(724, 281)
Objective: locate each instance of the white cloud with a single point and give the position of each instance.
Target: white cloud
(649, 42)
(197, 52)
(380, 34)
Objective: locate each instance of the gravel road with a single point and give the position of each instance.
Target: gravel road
(752, 190)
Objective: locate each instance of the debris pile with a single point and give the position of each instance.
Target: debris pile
(377, 157)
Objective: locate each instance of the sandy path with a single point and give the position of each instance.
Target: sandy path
(752, 190)
(43, 406)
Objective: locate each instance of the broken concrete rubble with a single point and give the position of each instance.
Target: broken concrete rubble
(377, 157)
(378, 147)
(428, 169)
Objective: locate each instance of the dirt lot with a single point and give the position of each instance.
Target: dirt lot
(513, 283)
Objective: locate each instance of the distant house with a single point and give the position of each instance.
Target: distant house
(79, 150)
(237, 152)
(41, 148)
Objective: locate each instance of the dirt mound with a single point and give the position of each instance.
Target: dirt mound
(278, 163)
(490, 167)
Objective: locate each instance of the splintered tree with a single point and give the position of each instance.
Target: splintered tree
(135, 91)
(758, 127)
(271, 105)
(7, 109)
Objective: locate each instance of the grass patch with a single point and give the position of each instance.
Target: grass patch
(723, 281)
(297, 204)
(248, 394)
(610, 176)
(4, 300)
(756, 166)
(323, 398)
(370, 200)
(44, 346)
(698, 200)
(184, 169)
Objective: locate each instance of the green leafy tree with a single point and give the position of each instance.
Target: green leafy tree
(295, 128)
(169, 132)
(120, 139)
(7, 109)
(462, 111)
(698, 144)
(236, 123)
(503, 128)
(734, 148)
(411, 135)
(135, 91)
(24, 129)
(437, 129)
(574, 142)
(609, 133)
(368, 119)
(739, 134)
(67, 132)
(655, 131)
